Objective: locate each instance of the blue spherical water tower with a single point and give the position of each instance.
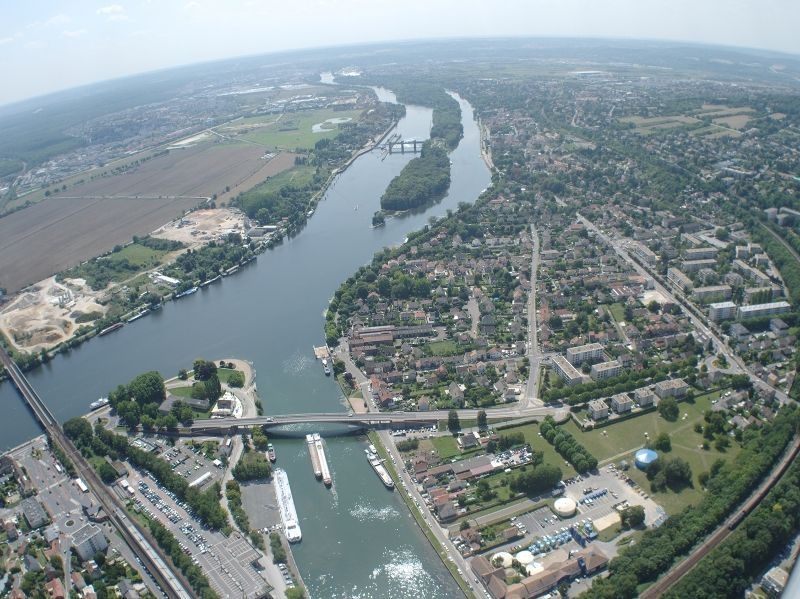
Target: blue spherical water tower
(645, 457)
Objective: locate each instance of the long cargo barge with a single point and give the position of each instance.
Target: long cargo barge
(312, 452)
(378, 467)
(283, 492)
(323, 461)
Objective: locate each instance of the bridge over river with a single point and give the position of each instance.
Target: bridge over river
(352, 421)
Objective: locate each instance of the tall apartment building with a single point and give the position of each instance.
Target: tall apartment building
(584, 353)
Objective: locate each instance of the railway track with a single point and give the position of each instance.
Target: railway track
(663, 584)
(172, 584)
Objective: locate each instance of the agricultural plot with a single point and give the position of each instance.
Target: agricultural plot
(197, 171)
(55, 235)
(648, 125)
(293, 130)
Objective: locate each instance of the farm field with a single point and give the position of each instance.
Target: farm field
(197, 171)
(54, 235)
(294, 130)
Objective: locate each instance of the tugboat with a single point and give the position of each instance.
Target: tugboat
(271, 453)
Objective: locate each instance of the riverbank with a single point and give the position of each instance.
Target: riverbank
(416, 512)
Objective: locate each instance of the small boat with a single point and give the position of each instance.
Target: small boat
(271, 453)
(141, 314)
(325, 367)
(111, 329)
(189, 291)
(103, 401)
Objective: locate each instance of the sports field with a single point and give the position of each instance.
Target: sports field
(293, 130)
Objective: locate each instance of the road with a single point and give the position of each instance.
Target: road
(698, 323)
(534, 354)
(172, 583)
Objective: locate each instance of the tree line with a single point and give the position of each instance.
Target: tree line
(728, 484)
(567, 446)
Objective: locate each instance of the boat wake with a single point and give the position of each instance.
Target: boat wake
(367, 513)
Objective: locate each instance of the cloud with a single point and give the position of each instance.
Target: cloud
(6, 40)
(74, 33)
(57, 20)
(113, 12)
(191, 5)
(111, 9)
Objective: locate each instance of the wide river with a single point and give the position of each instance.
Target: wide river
(359, 541)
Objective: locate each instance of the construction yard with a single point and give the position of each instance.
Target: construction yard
(49, 312)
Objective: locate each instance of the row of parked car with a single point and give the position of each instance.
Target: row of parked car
(287, 578)
(156, 500)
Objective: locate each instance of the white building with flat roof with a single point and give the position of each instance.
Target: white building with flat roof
(566, 371)
(722, 311)
(606, 370)
(584, 353)
(598, 409)
(758, 310)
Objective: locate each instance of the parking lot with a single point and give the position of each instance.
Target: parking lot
(192, 464)
(229, 562)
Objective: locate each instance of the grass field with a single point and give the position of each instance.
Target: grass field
(617, 311)
(623, 439)
(294, 130)
(647, 125)
(442, 348)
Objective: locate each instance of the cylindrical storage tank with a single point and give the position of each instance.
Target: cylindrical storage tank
(504, 558)
(645, 457)
(565, 507)
(524, 557)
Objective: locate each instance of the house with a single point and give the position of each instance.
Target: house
(424, 404)
(54, 588)
(467, 441)
(598, 409)
(456, 393)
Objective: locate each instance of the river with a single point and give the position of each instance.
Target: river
(359, 540)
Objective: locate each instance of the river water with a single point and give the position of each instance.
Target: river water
(359, 541)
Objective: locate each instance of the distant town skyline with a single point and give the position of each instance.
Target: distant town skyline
(49, 46)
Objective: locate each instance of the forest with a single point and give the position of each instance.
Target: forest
(423, 180)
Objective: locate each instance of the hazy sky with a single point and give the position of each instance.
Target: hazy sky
(47, 45)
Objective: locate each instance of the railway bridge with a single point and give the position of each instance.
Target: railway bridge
(172, 584)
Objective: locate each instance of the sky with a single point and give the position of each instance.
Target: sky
(48, 45)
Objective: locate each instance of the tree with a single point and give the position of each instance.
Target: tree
(213, 388)
(632, 516)
(482, 421)
(106, 472)
(148, 388)
(453, 422)
(668, 408)
(663, 443)
(79, 430)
